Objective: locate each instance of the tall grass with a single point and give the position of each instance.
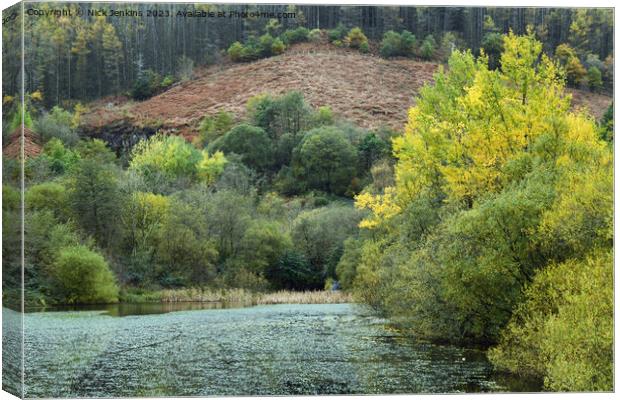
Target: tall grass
(235, 296)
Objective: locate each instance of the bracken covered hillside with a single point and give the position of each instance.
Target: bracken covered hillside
(365, 89)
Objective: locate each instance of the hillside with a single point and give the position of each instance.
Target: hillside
(365, 89)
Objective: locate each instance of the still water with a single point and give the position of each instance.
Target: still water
(201, 349)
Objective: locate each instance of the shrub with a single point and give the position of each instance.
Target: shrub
(356, 38)
(170, 157)
(212, 127)
(296, 35)
(394, 44)
(364, 48)
(60, 158)
(56, 124)
(235, 51)
(277, 47)
(564, 329)
(337, 34)
(390, 45)
(265, 43)
(314, 35)
(250, 142)
(82, 276)
(167, 81)
(48, 196)
(595, 79)
(575, 72)
(427, 49)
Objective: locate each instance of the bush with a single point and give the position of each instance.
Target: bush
(315, 35)
(390, 45)
(48, 196)
(575, 72)
(56, 124)
(250, 142)
(212, 127)
(595, 79)
(82, 276)
(60, 158)
(356, 39)
(364, 48)
(564, 329)
(265, 43)
(394, 44)
(167, 81)
(235, 51)
(169, 157)
(296, 35)
(277, 47)
(427, 50)
(337, 34)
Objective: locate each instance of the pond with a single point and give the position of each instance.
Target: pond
(209, 349)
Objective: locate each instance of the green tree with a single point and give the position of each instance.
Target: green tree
(82, 276)
(250, 142)
(95, 199)
(326, 160)
(167, 158)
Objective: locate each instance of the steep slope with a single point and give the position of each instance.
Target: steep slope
(365, 89)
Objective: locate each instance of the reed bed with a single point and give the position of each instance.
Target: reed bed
(239, 296)
(307, 297)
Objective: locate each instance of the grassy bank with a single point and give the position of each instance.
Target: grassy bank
(234, 296)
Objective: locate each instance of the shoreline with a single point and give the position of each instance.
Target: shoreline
(207, 295)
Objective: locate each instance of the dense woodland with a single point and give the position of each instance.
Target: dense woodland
(488, 220)
(70, 59)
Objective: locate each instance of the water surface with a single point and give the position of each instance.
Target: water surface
(262, 350)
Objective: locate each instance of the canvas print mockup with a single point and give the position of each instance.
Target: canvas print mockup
(240, 199)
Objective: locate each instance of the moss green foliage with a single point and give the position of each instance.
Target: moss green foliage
(427, 48)
(48, 196)
(83, 276)
(325, 160)
(214, 126)
(498, 232)
(337, 34)
(563, 329)
(266, 45)
(60, 158)
(250, 142)
(595, 79)
(297, 35)
(395, 44)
